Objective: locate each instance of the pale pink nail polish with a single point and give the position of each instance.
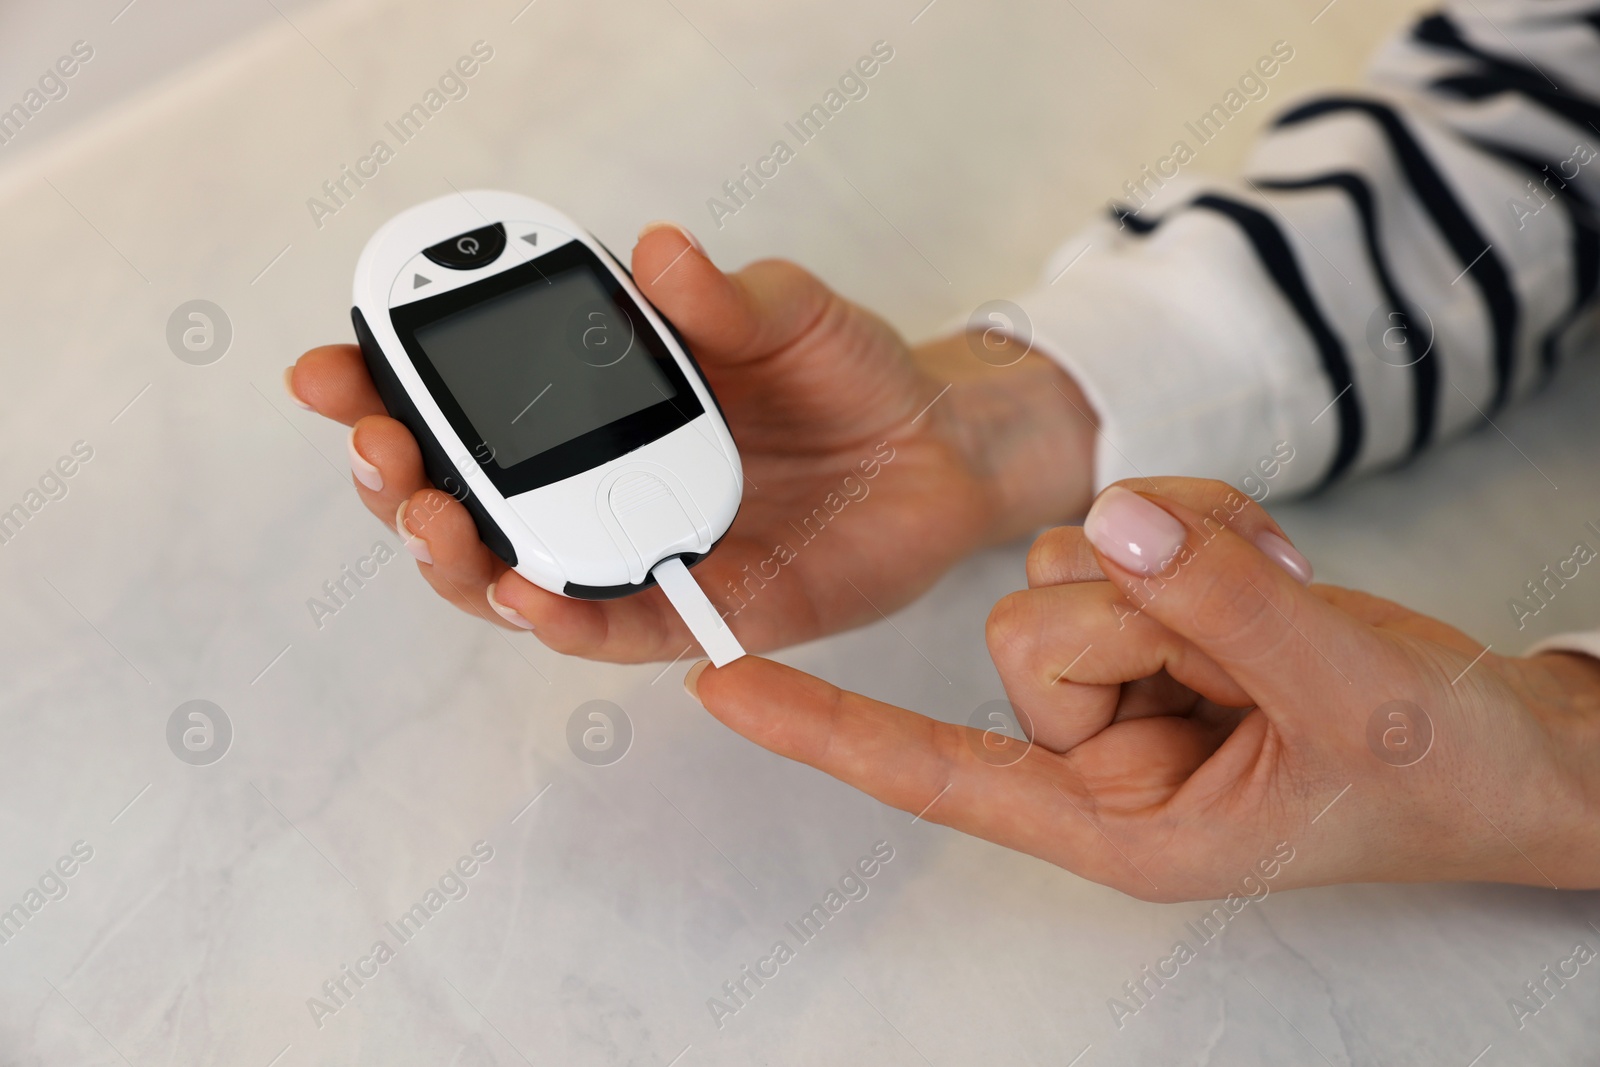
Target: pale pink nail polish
(510, 614)
(367, 474)
(664, 223)
(414, 544)
(1133, 532)
(288, 387)
(1284, 555)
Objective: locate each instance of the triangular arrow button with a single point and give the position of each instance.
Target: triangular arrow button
(531, 238)
(419, 281)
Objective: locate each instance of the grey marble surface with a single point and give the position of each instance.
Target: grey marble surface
(370, 755)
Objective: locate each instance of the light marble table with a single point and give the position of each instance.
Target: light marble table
(371, 756)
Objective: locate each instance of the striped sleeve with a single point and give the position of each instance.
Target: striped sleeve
(1396, 264)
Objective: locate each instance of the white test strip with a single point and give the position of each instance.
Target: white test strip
(697, 612)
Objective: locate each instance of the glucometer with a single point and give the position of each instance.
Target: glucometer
(551, 399)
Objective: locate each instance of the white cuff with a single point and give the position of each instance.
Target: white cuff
(1586, 643)
(1191, 359)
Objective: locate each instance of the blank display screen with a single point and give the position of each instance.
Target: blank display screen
(544, 364)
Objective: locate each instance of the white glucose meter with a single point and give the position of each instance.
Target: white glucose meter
(551, 399)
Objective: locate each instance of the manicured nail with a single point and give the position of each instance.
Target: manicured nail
(414, 544)
(1132, 531)
(691, 681)
(510, 614)
(365, 472)
(288, 387)
(665, 224)
(1284, 555)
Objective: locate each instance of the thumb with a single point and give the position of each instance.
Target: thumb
(1249, 611)
(726, 318)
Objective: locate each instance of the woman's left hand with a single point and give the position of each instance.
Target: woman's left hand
(1198, 714)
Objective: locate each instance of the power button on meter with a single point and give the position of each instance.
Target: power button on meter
(468, 251)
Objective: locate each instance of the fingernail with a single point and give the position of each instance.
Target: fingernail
(1132, 531)
(660, 224)
(691, 681)
(365, 472)
(1284, 555)
(414, 544)
(511, 615)
(288, 387)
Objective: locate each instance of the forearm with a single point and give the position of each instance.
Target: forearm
(1397, 263)
(1025, 429)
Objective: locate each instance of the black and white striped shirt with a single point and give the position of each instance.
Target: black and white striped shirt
(1397, 263)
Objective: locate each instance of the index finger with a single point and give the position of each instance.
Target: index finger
(932, 769)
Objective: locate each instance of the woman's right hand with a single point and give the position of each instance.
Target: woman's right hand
(869, 469)
(1198, 717)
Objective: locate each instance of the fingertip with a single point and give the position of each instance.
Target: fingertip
(288, 387)
(691, 681)
(782, 709)
(1280, 551)
(562, 624)
(1241, 604)
(414, 544)
(365, 471)
(334, 382)
(715, 312)
(1000, 629)
(1062, 556)
(669, 262)
(506, 611)
(1132, 531)
(667, 224)
(1142, 533)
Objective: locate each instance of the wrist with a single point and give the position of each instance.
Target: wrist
(1025, 430)
(1562, 691)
